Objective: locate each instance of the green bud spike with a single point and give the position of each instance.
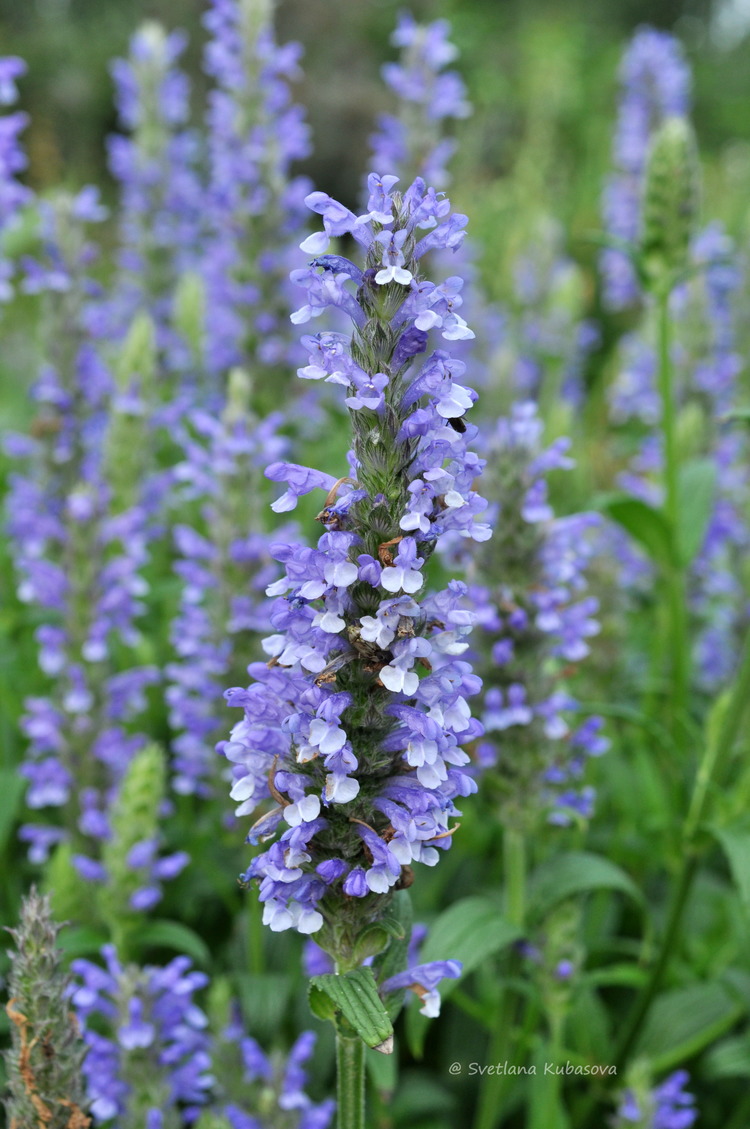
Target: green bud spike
(239, 393)
(212, 1120)
(135, 817)
(670, 200)
(255, 15)
(62, 884)
(127, 434)
(189, 311)
(137, 360)
(219, 1005)
(45, 1084)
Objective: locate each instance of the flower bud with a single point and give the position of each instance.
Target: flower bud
(189, 311)
(44, 1063)
(134, 833)
(670, 201)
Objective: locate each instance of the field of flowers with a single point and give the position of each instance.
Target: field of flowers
(374, 591)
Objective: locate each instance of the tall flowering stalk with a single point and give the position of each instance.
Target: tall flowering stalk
(531, 600)
(656, 85)
(156, 164)
(254, 206)
(79, 537)
(13, 194)
(706, 365)
(354, 726)
(255, 1089)
(225, 567)
(148, 1058)
(412, 142)
(365, 729)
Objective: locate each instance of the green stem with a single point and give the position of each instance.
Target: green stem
(675, 577)
(714, 756)
(350, 1081)
(666, 948)
(514, 851)
(492, 1092)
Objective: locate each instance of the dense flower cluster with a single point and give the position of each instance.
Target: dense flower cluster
(79, 560)
(153, 1061)
(156, 164)
(358, 748)
(149, 1051)
(655, 85)
(412, 142)
(668, 1106)
(13, 194)
(257, 1090)
(547, 339)
(537, 617)
(254, 208)
(225, 567)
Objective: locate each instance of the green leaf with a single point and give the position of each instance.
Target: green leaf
(617, 975)
(374, 939)
(735, 842)
(164, 934)
(649, 527)
(383, 1072)
(355, 996)
(546, 1110)
(470, 930)
(739, 415)
(696, 495)
(728, 1059)
(12, 788)
(574, 873)
(589, 1025)
(267, 998)
(321, 1004)
(81, 941)
(685, 1020)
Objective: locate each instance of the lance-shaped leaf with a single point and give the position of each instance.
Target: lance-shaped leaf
(696, 494)
(354, 995)
(644, 524)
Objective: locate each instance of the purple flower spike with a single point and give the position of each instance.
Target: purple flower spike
(352, 733)
(536, 618)
(655, 85)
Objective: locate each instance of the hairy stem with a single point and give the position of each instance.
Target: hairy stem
(492, 1092)
(350, 1081)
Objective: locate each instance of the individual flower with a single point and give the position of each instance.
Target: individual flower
(666, 1106)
